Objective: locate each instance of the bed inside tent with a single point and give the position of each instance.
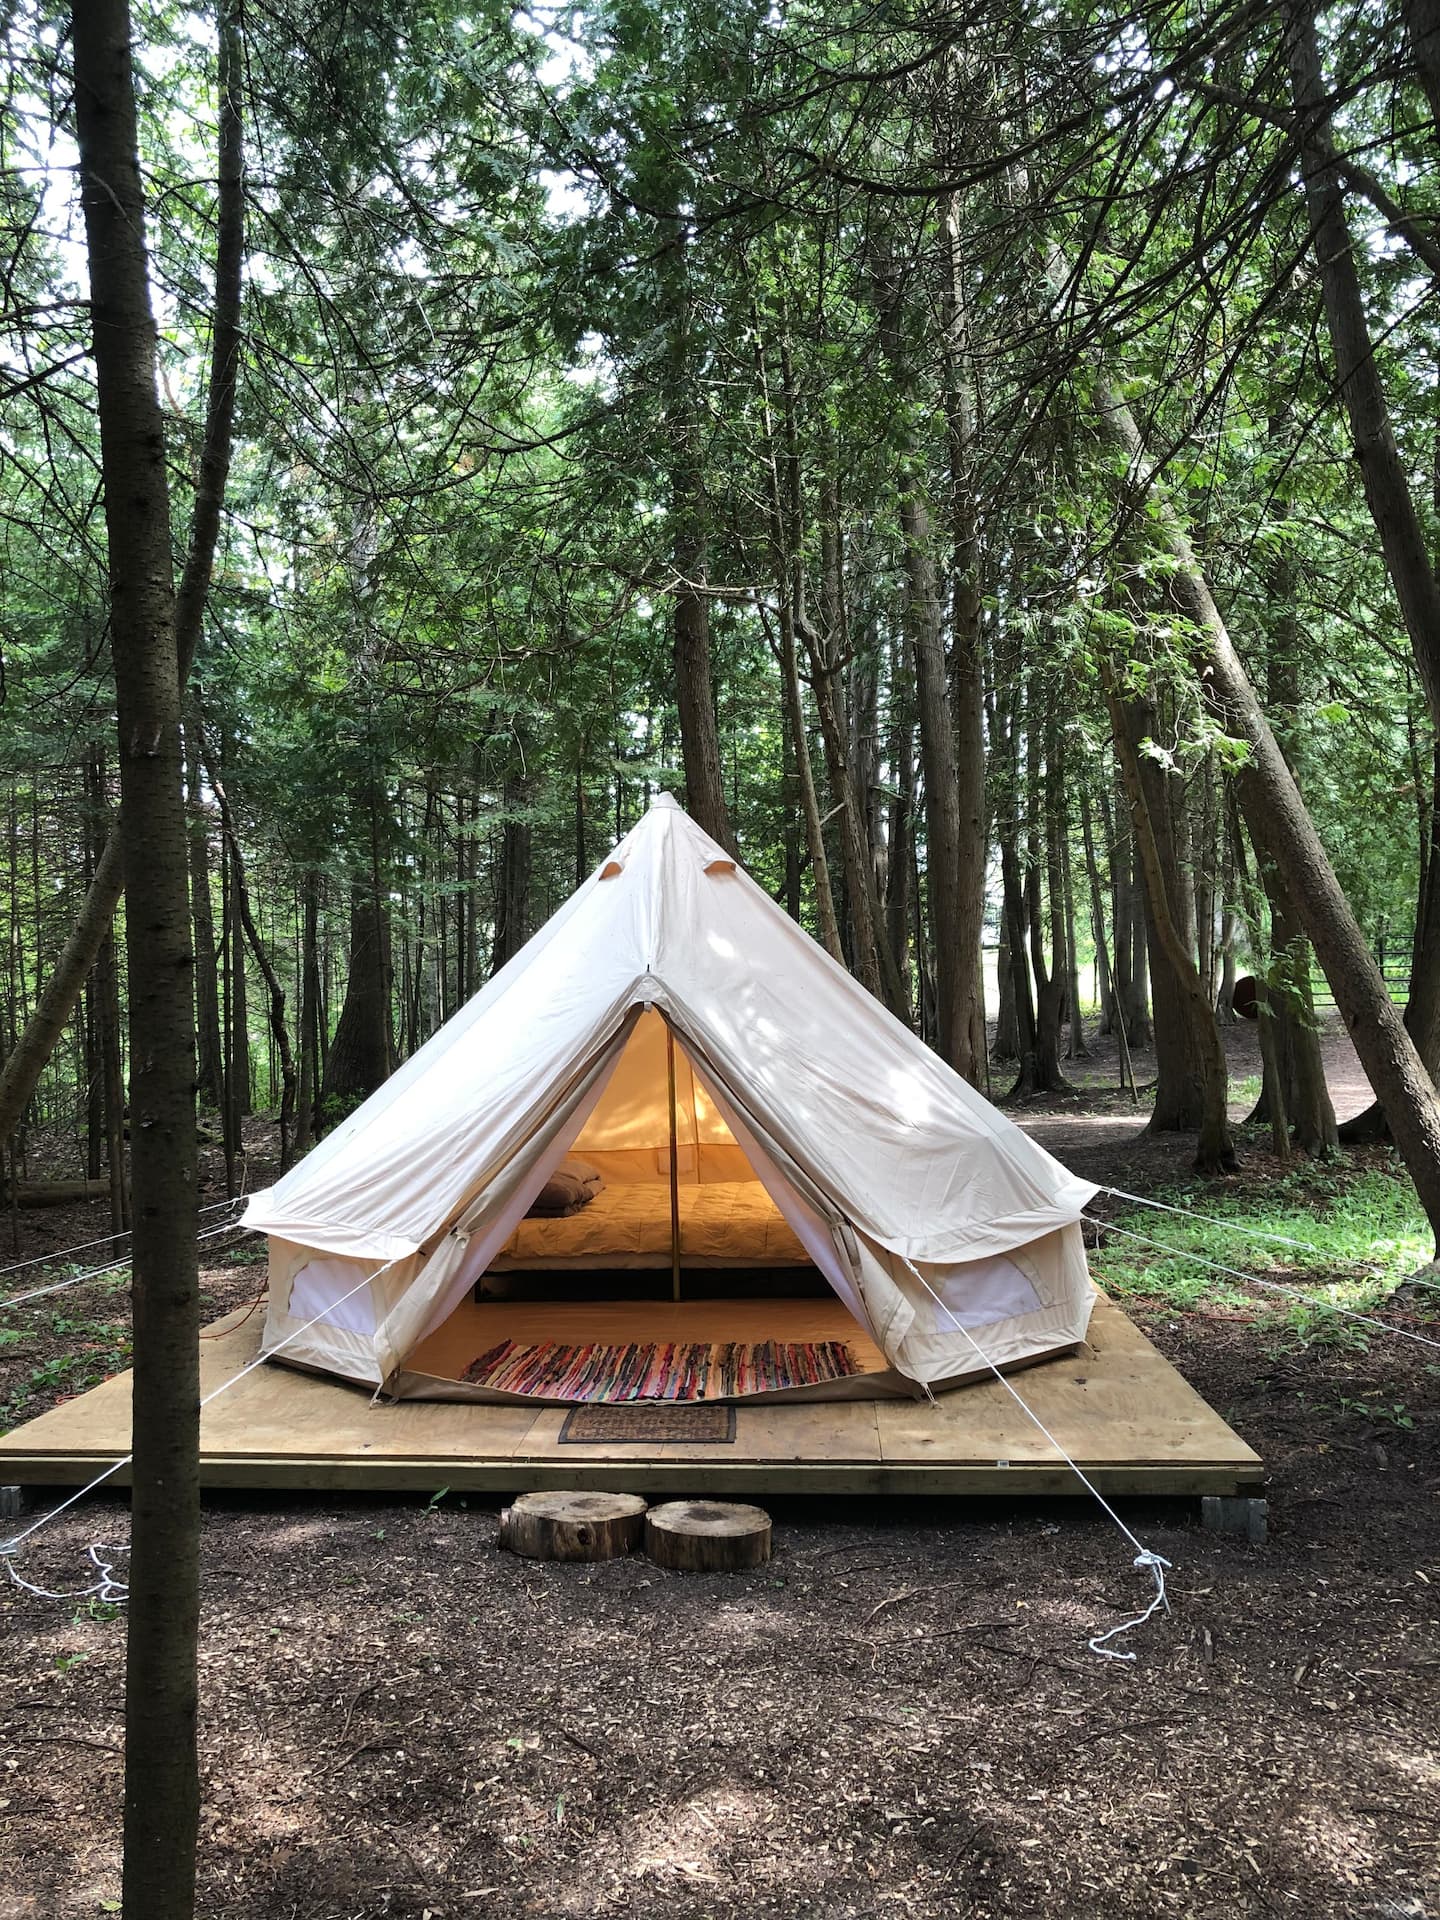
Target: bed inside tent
(694, 1272)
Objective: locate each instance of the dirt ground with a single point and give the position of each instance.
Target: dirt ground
(898, 1714)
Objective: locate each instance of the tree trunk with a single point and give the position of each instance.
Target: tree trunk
(241, 909)
(308, 1100)
(942, 808)
(899, 822)
(1300, 1067)
(210, 1073)
(875, 958)
(1273, 1078)
(956, 977)
(161, 1775)
(694, 690)
(1076, 1048)
(1382, 469)
(1203, 865)
(26, 1059)
(1006, 1045)
(1278, 821)
(1132, 998)
(790, 801)
(103, 992)
(1004, 732)
(707, 1536)
(1027, 1078)
(112, 1067)
(695, 700)
(783, 517)
(94, 1087)
(362, 1053)
(230, 1115)
(1194, 1082)
(1042, 879)
(512, 889)
(826, 922)
(876, 962)
(573, 1526)
(1105, 982)
(967, 685)
(1422, 26)
(1181, 1053)
(239, 1080)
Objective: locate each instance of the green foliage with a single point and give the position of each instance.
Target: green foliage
(522, 289)
(1357, 1237)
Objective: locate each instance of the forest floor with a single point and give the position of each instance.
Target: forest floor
(898, 1714)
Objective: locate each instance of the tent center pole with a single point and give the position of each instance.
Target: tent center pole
(674, 1170)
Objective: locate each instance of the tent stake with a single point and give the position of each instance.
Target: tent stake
(674, 1170)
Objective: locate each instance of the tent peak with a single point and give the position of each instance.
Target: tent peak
(667, 800)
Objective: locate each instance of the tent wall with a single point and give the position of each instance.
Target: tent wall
(627, 1137)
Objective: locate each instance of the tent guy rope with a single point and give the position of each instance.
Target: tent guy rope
(1228, 1226)
(1145, 1557)
(116, 1590)
(1212, 1220)
(1270, 1286)
(93, 1273)
(104, 1240)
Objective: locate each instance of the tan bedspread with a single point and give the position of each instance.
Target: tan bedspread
(722, 1224)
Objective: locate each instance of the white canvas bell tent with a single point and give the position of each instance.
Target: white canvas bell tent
(894, 1175)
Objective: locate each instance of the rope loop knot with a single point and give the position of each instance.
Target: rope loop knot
(1156, 1563)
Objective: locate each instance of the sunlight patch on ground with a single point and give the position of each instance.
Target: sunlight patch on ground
(695, 1838)
(747, 1623)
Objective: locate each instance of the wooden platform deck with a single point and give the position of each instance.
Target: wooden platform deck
(1121, 1410)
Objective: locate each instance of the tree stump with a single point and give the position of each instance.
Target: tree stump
(707, 1536)
(572, 1526)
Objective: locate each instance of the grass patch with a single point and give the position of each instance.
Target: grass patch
(1358, 1236)
(248, 1253)
(94, 1351)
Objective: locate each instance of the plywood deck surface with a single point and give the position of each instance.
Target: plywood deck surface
(1117, 1406)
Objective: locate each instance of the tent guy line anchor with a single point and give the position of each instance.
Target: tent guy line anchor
(1145, 1557)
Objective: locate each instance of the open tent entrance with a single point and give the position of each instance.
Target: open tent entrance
(693, 1240)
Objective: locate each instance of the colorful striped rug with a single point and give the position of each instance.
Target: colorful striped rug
(674, 1370)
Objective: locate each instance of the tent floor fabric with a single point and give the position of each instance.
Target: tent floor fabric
(670, 1370)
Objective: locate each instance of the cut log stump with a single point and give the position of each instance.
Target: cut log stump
(573, 1526)
(707, 1536)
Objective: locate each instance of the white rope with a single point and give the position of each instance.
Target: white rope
(1210, 1220)
(9, 1548)
(1099, 1644)
(104, 1240)
(1271, 1286)
(92, 1273)
(1145, 1558)
(107, 1589)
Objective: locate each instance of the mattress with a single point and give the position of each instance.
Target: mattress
(731, 1223)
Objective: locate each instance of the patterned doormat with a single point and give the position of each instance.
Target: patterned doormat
(654, 1422)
